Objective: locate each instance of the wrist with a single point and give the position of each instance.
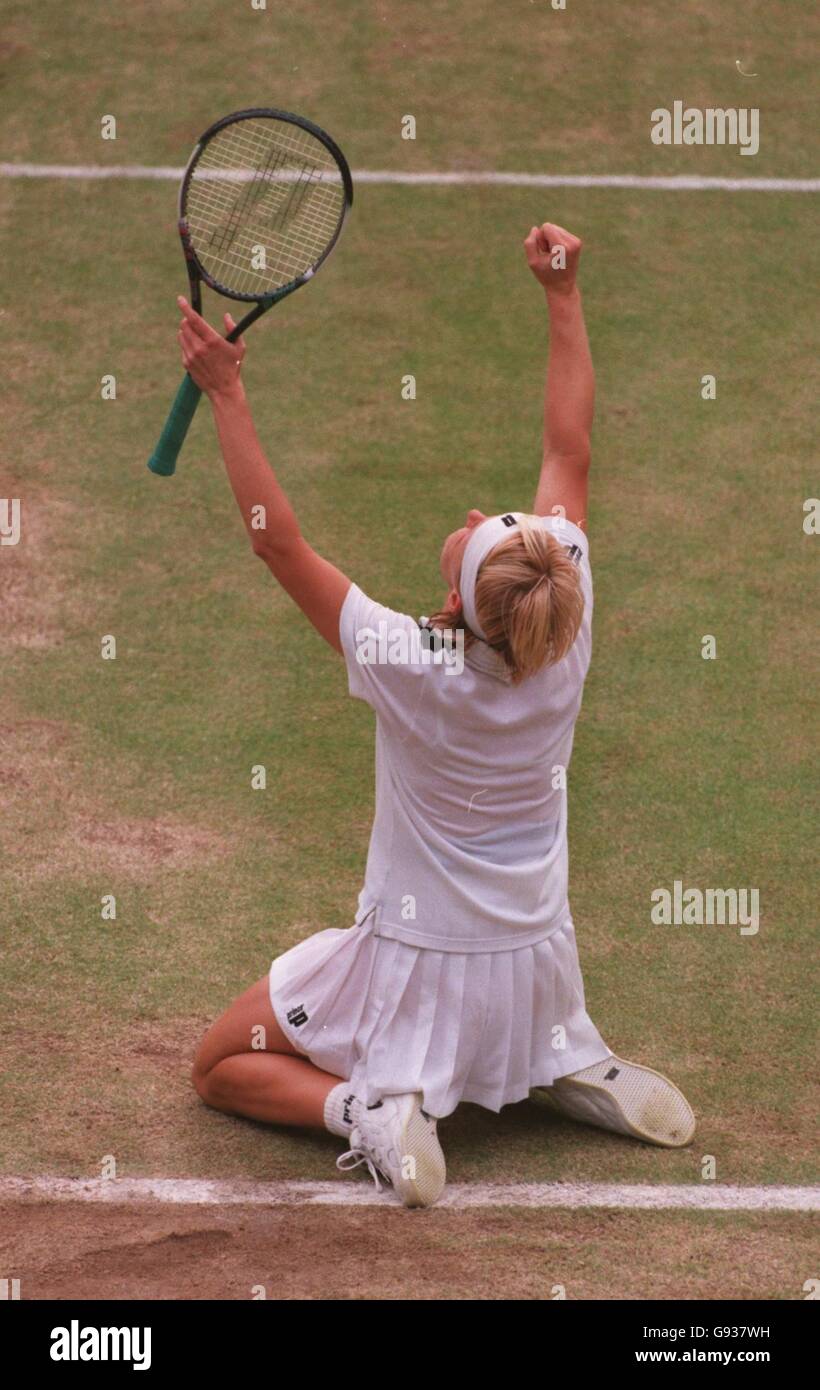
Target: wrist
(558, 294)
(224, 397)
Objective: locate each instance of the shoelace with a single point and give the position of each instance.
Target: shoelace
(359, 1156)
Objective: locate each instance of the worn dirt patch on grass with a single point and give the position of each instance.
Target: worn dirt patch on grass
(33, 601)
(53, 828)
(300, 1253)
(137, 845)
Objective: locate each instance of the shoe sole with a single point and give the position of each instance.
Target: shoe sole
(420, 1142)
(644, 1103)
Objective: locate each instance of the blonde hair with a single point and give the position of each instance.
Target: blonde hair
(528, 600)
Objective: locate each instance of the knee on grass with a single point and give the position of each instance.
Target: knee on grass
(207, 1087)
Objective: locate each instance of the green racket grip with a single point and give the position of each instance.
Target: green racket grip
(164, 458)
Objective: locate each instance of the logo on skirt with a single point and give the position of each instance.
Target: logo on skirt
(297, 1016)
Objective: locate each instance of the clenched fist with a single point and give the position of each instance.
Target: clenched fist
(552, 255)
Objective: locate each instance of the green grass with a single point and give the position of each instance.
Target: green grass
(133, 777)
(571, 90)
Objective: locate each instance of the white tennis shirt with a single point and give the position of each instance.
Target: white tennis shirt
(468, 850)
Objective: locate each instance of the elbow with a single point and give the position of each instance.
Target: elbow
(276, 553)
(575, 459)
(580, 456)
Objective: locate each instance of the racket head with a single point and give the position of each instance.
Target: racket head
(262, 179)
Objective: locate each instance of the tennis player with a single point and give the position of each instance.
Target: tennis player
(459, 979)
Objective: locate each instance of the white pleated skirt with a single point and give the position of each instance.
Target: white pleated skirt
(391, 1018)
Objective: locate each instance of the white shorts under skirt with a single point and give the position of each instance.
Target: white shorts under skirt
(391, 1018)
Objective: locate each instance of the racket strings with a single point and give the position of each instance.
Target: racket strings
(262, 171)
(263, 183)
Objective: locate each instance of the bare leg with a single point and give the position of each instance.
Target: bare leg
(243, 1070)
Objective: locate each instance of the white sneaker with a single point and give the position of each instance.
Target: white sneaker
(625, 1097)
(396, 1138)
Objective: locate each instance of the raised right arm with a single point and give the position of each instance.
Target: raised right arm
(570, 385)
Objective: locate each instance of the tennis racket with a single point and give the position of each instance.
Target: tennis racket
(261, 206)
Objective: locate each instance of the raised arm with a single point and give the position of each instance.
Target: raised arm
(318, 587)
(553, 254)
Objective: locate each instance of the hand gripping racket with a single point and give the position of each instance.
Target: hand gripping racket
(261, 206)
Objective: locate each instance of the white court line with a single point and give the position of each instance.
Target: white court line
(457, 1196)
(669, 183)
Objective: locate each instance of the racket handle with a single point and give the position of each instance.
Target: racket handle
(164, 458)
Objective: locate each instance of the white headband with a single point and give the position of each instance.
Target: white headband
(483, 539)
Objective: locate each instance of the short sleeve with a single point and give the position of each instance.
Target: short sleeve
(576, 543)
(385, 657)
(570, 535)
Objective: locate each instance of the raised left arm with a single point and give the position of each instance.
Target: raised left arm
(317, 586)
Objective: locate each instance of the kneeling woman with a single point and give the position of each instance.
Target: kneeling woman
(460, 978)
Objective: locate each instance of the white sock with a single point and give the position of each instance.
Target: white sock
(341, 1110)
